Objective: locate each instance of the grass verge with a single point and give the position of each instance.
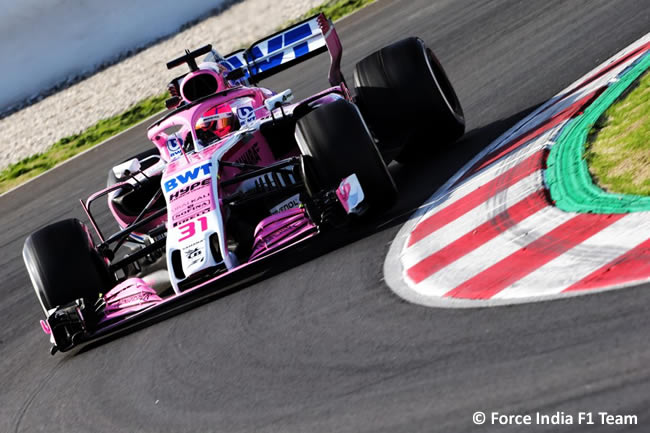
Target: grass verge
(334, 9)
(67, 147)
(618, 147)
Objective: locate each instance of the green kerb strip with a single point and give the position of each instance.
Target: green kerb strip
(567, 175)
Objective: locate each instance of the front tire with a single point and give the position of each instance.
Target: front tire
(336, 138)
(408, 100)
(64, 265)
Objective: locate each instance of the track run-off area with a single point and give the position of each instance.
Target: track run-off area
(320, 342)
(518, 224)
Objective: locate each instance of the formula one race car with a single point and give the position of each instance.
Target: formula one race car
(238, 174)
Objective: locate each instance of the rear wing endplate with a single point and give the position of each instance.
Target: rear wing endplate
(289, 47)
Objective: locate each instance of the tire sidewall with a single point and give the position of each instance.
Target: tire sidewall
(404, 84)
(63, 264)
(339, 144)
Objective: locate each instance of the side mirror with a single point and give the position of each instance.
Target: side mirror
(125, 169)
(172, 102)
(278, 100)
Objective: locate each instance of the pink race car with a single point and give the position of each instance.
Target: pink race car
(238, 174)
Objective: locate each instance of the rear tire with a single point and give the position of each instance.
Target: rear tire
(408, 100)
(339, 143)
(64, 265)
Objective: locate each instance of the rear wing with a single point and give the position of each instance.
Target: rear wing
(289, 47)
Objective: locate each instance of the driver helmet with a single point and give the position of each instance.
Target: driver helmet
(219, 120)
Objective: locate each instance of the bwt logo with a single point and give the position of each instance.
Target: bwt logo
(174, 144)
(186, 177)
(276, 44)
(246, 115)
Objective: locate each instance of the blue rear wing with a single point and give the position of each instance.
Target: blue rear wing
(288, 47)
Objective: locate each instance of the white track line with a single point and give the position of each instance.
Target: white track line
(90, 149)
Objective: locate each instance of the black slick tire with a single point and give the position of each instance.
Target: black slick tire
(64, 266)
(336, 138)
(408, 100)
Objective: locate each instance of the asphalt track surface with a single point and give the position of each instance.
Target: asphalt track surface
(324, 345)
